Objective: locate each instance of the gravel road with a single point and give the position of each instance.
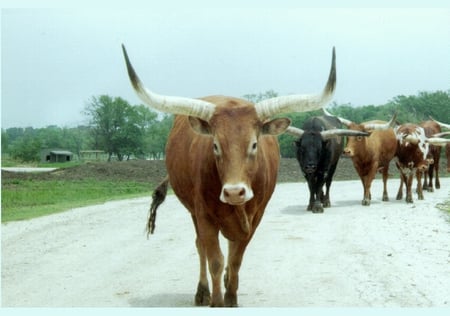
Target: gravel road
(390, 254)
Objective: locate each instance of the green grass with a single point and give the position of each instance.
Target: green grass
(25, 199)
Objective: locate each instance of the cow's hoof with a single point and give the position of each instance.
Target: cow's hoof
(385, 198)
(409, 200)
(326, 204)
(317, 210)
(399, 197)
(203, 296)
(430, 189)
(365, 202)
(230, 300)
(420, 197)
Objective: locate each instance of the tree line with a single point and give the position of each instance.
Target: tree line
(125, 131)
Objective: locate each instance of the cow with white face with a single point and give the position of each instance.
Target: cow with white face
(412, 153)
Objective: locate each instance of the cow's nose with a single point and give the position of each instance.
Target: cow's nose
(347, 152)
(310, 168)
(236, 194)
(423, 167)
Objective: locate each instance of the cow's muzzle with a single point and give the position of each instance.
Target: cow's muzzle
(236, 194)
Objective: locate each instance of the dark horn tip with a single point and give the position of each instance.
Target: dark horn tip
(331, 84)
(131, 73)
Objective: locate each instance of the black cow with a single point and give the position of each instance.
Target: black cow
(319, 146)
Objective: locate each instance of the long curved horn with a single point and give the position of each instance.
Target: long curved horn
(440, 123)
(168, 104)
(436, 141)
(374, 126)
(294, 131)
(333, 133)
(441, 134)
(341, 119)
(299, 103)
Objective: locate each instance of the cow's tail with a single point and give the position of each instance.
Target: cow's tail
(158, 196)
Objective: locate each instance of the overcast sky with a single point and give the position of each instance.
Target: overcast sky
(55, 60)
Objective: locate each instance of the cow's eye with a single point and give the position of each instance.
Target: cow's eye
(359, 138)
(253, 148)
(216, 149)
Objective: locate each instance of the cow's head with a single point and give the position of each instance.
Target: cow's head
(235, 131)
(358, 144)
(412, 139)
(235, 127)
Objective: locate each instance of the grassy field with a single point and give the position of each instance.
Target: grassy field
(29, 198)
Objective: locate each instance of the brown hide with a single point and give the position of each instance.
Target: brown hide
(197, 175)
(411, 158)
(370, 154)
(433, 157)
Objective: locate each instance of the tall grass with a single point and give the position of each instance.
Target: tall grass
(24, 199)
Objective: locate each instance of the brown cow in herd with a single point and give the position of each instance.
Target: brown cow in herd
(371, 154)
(447, 147)
(434, 154)
(222, 160)
(412, 154)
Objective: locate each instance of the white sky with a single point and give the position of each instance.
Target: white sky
(55, 60)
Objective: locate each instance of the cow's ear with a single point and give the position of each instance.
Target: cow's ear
(276, 126)
(200, 126)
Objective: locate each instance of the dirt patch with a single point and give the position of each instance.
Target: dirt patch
(153, 171)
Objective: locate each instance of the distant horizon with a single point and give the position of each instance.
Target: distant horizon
(329, 106)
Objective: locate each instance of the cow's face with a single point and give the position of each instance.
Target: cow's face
(412, 148)
(355, 144)
(236, 133)
(309, 149)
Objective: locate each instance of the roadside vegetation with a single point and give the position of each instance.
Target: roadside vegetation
(30, 198)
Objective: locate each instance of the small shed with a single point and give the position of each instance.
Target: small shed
(56, 155)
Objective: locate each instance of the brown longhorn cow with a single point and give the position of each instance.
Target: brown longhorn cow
(222, 160)
(447, 147)
(371, 154)
(411, 156)
(434, 154)
(412, 150)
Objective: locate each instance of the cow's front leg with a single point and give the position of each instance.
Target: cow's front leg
(419, 185)
(318, 194)
(203, 296)
(236, 251)
(409, 198)
(209, 237)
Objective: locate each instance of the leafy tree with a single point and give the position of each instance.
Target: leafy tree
(156, 137)
(256, 97)
(115, 126)
(5, 142)
(26, 148)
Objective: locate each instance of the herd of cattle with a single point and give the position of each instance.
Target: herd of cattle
(222, 159)
(417, 149)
